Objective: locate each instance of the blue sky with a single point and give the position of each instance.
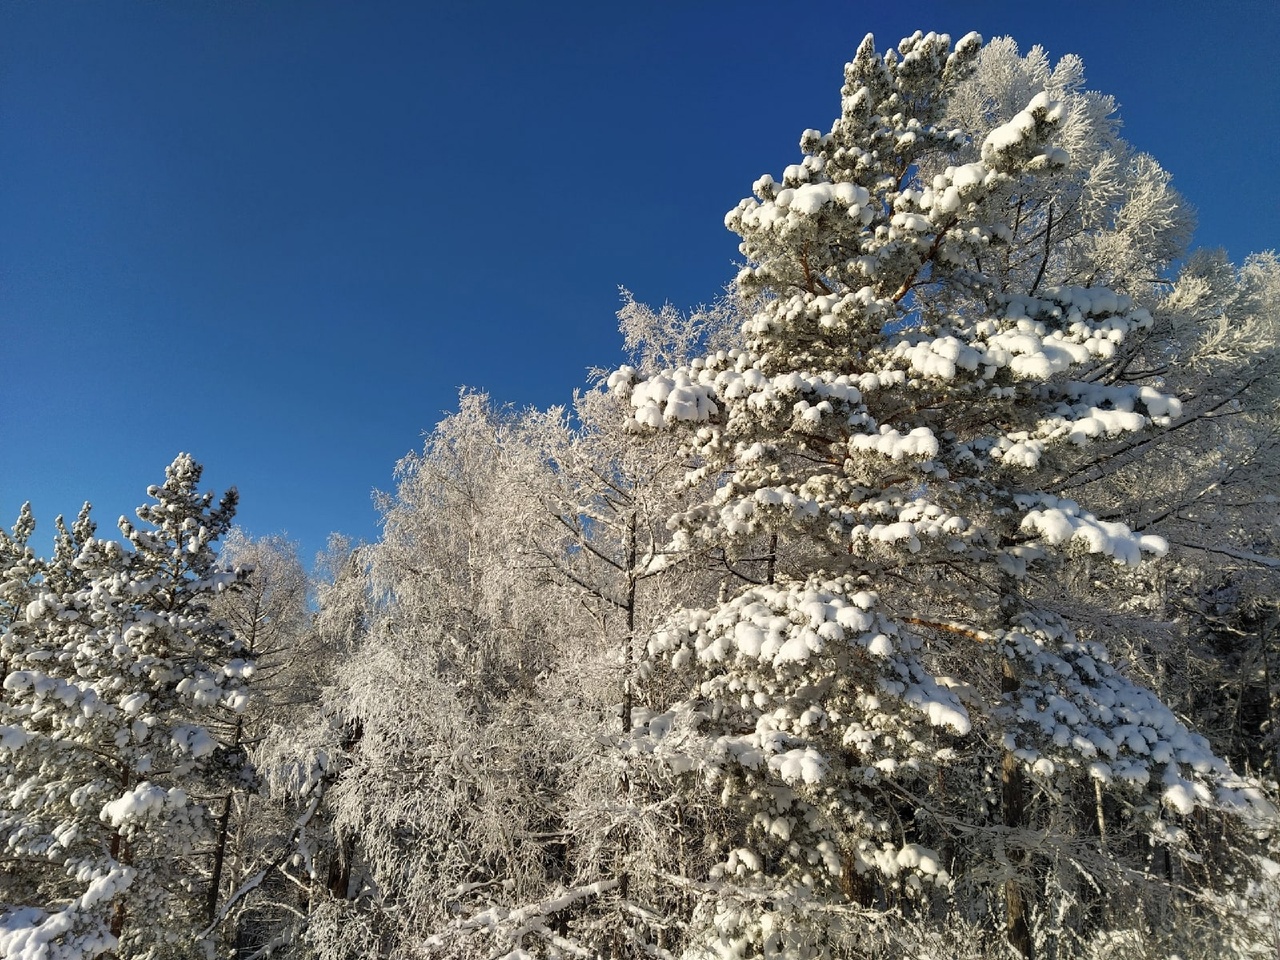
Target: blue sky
(281, 235)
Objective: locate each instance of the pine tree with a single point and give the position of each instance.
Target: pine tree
(19, 572)
(943, 328)
(122, 698)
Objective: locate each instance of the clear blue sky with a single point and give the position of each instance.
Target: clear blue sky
(281, 234)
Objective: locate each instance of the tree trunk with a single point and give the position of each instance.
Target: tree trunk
(117, 915)
(628, 699)
(1013, 796)
(219, 857)
(338, 882)
(220, 850)
(338, 879)
(121, 854)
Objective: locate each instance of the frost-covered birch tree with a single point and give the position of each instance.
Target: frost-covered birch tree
(595, 536)
(296, 868)
(448, 779)
(950, 285)
(257, 825)
(522, 555)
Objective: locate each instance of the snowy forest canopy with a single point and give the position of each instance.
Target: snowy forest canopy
(916, 599)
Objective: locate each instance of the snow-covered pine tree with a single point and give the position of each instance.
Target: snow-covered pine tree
(19, 571)
(944, 326)
(121, 698)
(20, 574)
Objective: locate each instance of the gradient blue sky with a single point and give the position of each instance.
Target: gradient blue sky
(281, 234)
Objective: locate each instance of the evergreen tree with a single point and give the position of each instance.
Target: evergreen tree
(121, 704)
(20, 570)
(942, 330)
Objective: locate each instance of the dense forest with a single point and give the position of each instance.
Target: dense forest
(917, 599)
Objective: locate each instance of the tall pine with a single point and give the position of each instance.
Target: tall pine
(933, 344)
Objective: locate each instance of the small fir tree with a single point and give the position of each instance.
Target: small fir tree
(121, 702)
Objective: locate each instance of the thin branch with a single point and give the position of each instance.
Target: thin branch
(1048, 234)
